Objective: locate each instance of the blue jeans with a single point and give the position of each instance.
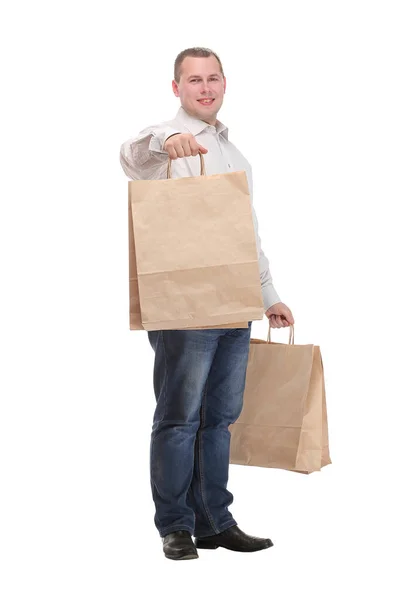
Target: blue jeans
(199, 380)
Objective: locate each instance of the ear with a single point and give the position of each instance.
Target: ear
(175, 88)
(224, 85)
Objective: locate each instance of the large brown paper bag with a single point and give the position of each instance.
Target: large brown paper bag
(283, 423)
(196, 254)
(135, 315)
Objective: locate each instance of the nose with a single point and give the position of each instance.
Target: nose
(205, 88)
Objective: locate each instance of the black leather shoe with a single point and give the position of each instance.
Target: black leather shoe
(233, 539)
(178, 545)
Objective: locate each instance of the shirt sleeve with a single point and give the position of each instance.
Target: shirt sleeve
(269, 294)
(268, 291)
(143, 157)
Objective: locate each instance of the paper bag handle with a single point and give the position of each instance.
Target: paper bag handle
(291, 334)
(202, 167)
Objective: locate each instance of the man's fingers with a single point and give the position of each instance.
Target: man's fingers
(194, 147)
(180, 151)
(272, 321)
(183, 144)
(172, 154)
(186, 148)
(278, 321)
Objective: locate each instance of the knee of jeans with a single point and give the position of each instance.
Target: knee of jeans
(177, 428)
(236, 410)
(185, 411)
(231, 410)
(182, 408)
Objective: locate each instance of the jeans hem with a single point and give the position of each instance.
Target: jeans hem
(222, 528)
(172, 528)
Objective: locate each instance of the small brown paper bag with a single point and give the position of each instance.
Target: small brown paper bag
(283, 423)
(193, 256)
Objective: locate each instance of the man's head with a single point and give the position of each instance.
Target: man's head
(198, 75)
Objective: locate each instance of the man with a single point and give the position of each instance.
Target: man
(199, 375)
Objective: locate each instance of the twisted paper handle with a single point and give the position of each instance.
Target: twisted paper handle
(202, 167)
(291, 335)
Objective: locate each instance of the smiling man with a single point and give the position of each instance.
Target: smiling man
(201, 92)
(199, 375)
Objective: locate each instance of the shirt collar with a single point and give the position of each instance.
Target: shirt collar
(195, 126)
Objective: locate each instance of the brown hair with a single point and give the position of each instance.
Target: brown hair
(195, 52)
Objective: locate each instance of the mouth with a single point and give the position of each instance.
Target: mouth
(206, 101)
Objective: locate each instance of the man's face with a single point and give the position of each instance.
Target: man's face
(201, 78)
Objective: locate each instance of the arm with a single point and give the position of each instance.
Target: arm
(143, 157)
(269, 293)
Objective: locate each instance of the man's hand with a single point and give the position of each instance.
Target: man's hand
(280, 315)
(183, 144)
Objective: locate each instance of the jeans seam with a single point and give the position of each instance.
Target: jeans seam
(201, 478)
(166, 378)
(162, 399)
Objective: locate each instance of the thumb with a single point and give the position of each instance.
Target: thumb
(286, 313)
(203, 150)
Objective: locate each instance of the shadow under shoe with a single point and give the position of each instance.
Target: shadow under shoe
(179, 545)
(233, 539)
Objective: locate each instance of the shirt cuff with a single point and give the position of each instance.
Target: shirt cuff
(270, 296)
(158, 140)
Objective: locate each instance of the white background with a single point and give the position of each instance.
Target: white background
(313, 102)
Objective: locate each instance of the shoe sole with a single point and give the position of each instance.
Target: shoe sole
(184, 557)
(213, 546)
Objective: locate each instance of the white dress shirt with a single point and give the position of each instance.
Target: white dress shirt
(143, 157)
